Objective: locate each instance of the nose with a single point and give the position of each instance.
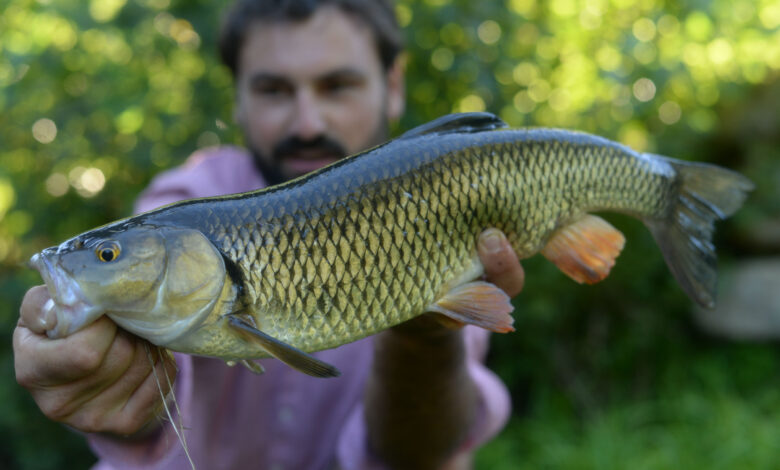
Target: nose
(308, 119)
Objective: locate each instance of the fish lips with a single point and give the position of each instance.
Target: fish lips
(68, 310)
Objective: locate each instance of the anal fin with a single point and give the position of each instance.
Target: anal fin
(290, 355)
(586, 249)
(477, 303)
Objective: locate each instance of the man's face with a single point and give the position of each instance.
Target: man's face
(312, 92)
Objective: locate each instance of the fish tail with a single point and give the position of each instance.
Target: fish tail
(706, 193)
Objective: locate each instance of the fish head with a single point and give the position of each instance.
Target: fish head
(156, 282)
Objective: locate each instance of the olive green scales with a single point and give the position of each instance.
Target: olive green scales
(380, 237)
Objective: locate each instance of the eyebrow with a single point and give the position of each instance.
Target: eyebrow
(348, 73)
(261, 77)
(343, 73)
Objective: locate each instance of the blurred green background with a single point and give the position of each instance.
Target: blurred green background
(98, 96)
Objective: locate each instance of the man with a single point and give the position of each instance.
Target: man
(315, 81)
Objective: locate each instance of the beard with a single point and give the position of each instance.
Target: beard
(273, 167)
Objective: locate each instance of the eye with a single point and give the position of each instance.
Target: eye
(108, 251)
(274, 88)
(338, 85)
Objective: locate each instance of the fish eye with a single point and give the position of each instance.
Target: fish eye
(108, 251)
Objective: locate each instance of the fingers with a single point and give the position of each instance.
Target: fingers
(47, 362)
(146, 401)
(99, 379)
(36, 309)
(61, 382)
(126, 405)
(40, 361)
(120, 396)
(502, 267)
(115, 372)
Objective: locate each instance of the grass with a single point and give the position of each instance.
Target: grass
(717, 407)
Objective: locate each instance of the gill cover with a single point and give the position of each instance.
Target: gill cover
(190, 285)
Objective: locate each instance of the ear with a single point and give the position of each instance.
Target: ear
(396, 88)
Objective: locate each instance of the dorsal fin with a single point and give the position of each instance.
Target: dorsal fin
(459, 122)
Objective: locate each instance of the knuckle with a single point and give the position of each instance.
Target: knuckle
(53, 408)
(87, 360)
(127, 423)
(25, 370)
(89, 423)
(25, 378)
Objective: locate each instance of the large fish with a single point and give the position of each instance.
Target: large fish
(382, 237)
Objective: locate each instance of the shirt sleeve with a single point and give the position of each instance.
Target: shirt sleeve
(353, 452)
(208, 172)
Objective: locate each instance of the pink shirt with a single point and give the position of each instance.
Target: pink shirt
(283, 419)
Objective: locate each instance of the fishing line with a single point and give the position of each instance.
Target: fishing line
(173, 395)
(179, 434)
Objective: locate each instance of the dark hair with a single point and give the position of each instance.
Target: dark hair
(379, 15)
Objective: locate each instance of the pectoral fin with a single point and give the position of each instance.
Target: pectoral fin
(586, 249)
(477, 303)
(251, 365)
(291, 356)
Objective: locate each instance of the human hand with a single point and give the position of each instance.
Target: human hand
(502, 267)
(420, 398)
(98, 379)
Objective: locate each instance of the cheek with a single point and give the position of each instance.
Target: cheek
(262, 122)
(130, 285)
(360, 119)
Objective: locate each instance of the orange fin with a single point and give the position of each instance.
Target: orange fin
(585, 250)
(477, 303)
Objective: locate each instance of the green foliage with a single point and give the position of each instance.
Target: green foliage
(700, 414)
(96, 97)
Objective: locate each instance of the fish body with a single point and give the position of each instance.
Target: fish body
(383, 236)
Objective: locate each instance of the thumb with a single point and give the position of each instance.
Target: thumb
(502, 267)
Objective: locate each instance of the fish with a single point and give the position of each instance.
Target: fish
(382, 237)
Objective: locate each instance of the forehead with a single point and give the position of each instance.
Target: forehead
(329, 39)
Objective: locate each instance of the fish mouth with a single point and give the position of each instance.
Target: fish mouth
(69, 310)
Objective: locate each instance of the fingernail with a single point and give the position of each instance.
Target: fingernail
(49, 318)
(492, 240)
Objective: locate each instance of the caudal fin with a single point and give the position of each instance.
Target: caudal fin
(706, 193)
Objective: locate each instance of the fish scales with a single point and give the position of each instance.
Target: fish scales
(333, 257)
(381, 237)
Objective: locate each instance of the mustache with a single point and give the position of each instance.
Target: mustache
(293, 144)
